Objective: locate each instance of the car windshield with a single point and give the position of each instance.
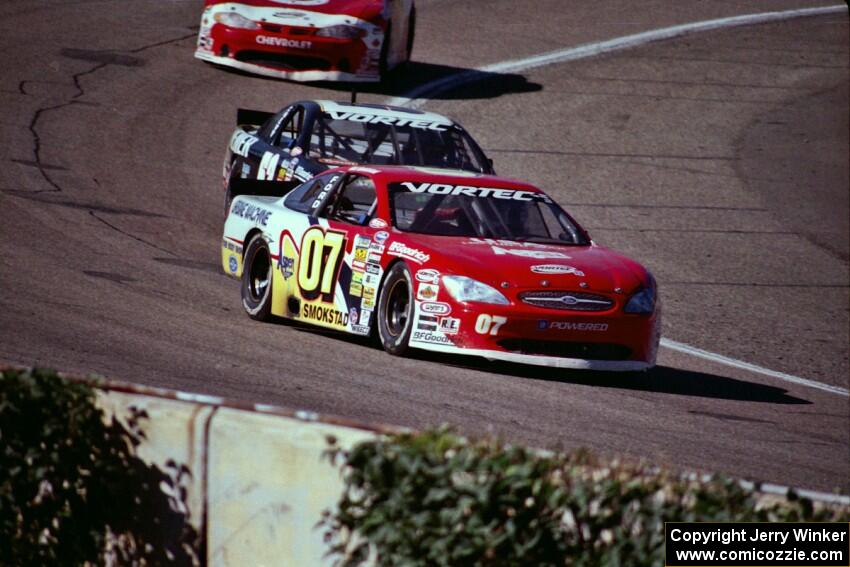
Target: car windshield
(459, 210)
(337, 142)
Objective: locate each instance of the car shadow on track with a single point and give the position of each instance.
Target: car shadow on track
(470, 83)
(661, 379)
(466, 83)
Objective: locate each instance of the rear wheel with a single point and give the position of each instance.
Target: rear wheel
(395, 310)
(257, 279)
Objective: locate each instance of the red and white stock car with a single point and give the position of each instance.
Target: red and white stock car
(308, 40)
(451, 262)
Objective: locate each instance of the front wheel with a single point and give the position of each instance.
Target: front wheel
(257, 279)
(395, 310)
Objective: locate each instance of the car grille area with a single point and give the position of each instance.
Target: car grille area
(567, 300)
(284, 62)
(561, 349)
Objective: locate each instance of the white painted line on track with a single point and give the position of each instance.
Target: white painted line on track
(419, 96)
(714, 357)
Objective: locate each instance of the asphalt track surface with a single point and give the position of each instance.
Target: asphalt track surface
(720, 160)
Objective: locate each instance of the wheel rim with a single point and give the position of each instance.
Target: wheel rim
(398, 305)
(260, 275)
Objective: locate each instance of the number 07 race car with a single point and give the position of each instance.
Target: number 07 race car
(308, 40)
(450, 262)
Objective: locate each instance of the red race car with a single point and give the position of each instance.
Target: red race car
(308, 40)
(452, 262)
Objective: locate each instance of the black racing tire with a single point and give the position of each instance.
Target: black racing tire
(257, 279)
(395, 310)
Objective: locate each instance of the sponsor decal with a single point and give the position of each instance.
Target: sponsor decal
(470, 191)
(302, 174)
(436, 308)
(257, 215)
(544, 325)
(358, 265)
(357, 277)
(371, 280)
(388, 120)
(426, 326)
(352, 315)
(246, 170)
(324, 193)
(233, 264)
(402, 250)
(429, 337)
(378, 223)
(287, 266)
(509, 243)
(428, 318)
(381, 237)
(290, 171)
(428, 276)
(324, 314)
(284, 42)
(535, 254)
(369, 293)
(373, 269)
(449, 325)
(360, 329)
(361, 241)
(356, 289)
(368, 303)
(427, 292)
(556, 269)
(376, 248)
(296, 151)
(365, 316)
(374, 258)
(360, 255)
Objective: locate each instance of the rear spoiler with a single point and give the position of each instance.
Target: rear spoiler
(252, 117)
(259, 188)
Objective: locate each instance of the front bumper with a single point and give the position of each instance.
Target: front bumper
(544, 337)
(292, 57)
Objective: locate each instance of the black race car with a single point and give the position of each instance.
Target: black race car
(309, 137)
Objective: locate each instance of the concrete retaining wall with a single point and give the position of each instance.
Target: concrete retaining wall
(258, 484)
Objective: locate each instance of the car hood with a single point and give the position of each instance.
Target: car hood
(527, 265)
(363, 9)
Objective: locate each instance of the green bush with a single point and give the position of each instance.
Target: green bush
(436, 499)
(72, 489)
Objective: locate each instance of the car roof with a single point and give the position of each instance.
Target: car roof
(387, 174)
(384, 110)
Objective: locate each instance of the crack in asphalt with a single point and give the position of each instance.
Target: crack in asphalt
(113, 59)
(133, 236)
